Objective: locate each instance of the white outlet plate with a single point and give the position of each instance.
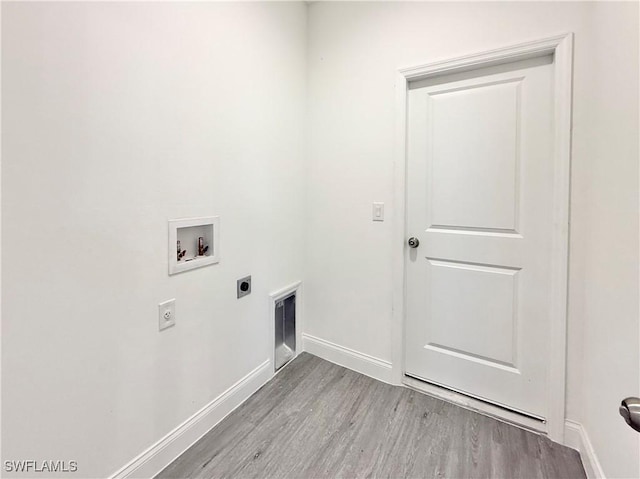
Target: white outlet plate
(166, 314)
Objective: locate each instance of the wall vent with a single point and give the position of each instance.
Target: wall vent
(285, 330)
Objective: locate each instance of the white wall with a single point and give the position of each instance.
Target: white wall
(117, 117)
(611, 260)
(354, 51)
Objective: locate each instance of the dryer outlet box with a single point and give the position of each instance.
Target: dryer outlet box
(243, 286)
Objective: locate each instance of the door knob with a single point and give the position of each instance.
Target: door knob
(413, 242)
(630, 411)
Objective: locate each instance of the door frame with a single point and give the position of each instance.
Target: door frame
(561, 47)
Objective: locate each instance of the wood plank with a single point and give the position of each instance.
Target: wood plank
(317, 419)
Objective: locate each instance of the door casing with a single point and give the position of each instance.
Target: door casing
(561, 47)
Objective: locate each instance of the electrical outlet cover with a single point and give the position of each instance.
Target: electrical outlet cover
(243, 286)
(166, 314)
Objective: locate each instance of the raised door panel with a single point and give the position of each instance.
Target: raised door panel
(472, 311)
(474, 156)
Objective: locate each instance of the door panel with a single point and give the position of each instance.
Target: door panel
(479, 300)
(467, 192)
(480, 182)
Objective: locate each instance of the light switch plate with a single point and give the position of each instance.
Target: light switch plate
(166, 314)
(378, 211)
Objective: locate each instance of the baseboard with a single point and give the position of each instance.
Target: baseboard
(163, 452)
(576, 438)
(360, 362)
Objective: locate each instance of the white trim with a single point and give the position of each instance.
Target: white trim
(561, 47)
(521, 51)
(563, 71)
(577, 438)
(400, 232)
(273, 299)
(162, 453)
(363, 363)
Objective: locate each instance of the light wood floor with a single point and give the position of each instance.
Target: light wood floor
(319, 420)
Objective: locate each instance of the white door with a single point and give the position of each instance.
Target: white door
(480, 184)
